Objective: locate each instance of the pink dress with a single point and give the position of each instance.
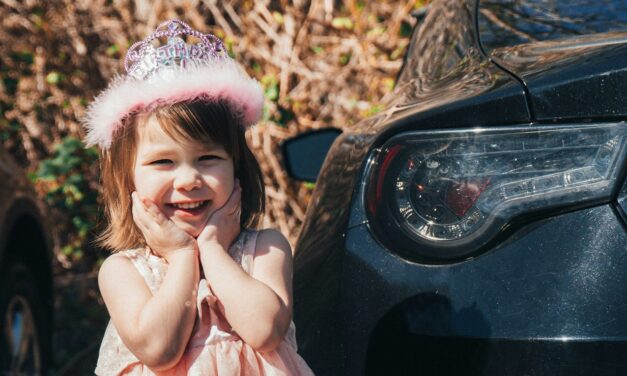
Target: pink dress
(214, 348)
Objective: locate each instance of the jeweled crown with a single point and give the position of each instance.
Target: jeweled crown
(143, 59)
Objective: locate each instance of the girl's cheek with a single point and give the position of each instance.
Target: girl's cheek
(150, 188)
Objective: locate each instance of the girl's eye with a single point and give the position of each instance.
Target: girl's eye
(208, 158)
(161, 162)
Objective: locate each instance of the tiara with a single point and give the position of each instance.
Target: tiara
(175, 72)
(143, 59)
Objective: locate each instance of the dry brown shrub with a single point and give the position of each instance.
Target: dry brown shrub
(323, 63)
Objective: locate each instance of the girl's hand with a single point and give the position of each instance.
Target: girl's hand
(224, 224)
(161, 234)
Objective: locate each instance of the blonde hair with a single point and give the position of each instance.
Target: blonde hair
(205, 122)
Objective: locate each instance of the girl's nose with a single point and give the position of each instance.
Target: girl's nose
(187, 178)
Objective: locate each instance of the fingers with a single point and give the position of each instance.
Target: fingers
(153, 211)
(231, 208)
(145, 212)
(137, 209)
(233, 205)
(223, 226)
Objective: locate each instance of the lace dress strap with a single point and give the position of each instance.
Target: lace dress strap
(151, 267)
(243, 250)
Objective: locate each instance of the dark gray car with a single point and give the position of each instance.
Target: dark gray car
(26, 293)
(477, 224)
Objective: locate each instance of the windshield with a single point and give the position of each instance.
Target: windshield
(511, 22)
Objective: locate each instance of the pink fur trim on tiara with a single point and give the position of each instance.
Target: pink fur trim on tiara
(125, 97)
(175, 72)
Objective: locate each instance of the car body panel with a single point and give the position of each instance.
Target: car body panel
(562, 278)
(621, 203)
(19, 200)
(577, 78)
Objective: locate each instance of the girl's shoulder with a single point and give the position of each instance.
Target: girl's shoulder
(134, 265)
(272, 238)
(260, 240)
(116, 264)
(127, 257)
(128, 254)
(254, 249)
(272, 252)
(115, 260)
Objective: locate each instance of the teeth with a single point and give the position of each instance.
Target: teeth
(191, 205)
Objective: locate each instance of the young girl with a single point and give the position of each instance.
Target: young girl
(192, 289)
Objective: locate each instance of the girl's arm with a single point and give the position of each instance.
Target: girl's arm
(156, 328)
(258, 307)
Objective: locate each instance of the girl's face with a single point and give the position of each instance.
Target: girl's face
(187, 180)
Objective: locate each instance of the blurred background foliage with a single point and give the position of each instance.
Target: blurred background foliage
(321, 63)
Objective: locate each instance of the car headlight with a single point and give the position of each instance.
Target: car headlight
(445, 195)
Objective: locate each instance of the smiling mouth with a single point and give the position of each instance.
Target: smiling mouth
(189, 205)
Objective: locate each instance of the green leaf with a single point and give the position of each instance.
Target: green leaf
(278, 17)
(398, 52)
(10, 85)
(272, 93)
(256, 67)
(112, 50)
(342, 23)
(374, 109)
(75, 179)
(376, 31)
(67, 250)
(91, 152)
(266, 113)
(24, 56)
(317, 50)
(271, 87)
(229, 44)
(53, 78)
(389, 83)
(345, 58)
(38, 21)
(419, 4)
(78, 254)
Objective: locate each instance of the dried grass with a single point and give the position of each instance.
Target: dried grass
(329, 62)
